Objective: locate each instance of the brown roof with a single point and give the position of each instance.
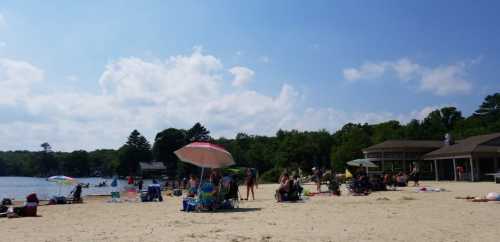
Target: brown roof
(427, 145)
(473, 144)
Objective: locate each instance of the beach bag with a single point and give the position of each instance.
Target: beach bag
(177, 192)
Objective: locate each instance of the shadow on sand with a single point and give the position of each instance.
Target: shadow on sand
(238, 210)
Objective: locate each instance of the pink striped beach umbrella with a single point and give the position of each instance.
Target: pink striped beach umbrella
(205, 155)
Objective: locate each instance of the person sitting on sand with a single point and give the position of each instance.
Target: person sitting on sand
(30, 207)
(401, 179)
(284, 187)
(285, 171)
(296, 184)
(193, 186)
(77, 193)
(389, 180)
(215, 177)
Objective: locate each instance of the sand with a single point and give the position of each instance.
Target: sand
(382, 216)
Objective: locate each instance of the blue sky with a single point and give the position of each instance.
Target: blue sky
(83, 74)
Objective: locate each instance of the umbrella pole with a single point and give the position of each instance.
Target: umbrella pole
(201, 180)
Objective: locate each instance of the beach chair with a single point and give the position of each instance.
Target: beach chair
(229, 193)
(115, 196)
(206, 199)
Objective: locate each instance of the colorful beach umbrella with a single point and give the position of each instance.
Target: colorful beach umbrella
(205, 155)
(62, 180)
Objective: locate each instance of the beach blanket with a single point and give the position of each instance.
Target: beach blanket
(430, 189)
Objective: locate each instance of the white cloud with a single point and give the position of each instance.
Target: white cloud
(406, 69)
(136, 93)
(240, 53)
(441, 81)
(16, 80)
(264, 59)
(242, 75)
(2, 44)
(151, 95)
(446, 80)
(423, 112)
(366, 71)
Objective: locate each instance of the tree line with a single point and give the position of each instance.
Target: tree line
(291, 149)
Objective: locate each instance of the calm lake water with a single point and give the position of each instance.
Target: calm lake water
(19, 187)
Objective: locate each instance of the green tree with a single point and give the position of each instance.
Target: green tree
(3, 167)
(76, 163)
(198, 133)
(413, 130)
(166, 142)
(103, 162)
(349, 142)
(136, 149)
(47, 162)
(441, 121)
(386, 131)
(490, 108)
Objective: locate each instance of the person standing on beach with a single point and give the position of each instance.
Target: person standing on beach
(415, 175)
(140, 184)
(460, 172)
(317, 175)
(250, 182)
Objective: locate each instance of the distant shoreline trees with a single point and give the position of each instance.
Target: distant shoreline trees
(287, 149)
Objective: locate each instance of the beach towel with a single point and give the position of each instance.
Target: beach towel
(430, 189)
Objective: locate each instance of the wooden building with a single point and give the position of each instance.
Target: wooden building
(152, 169)
(398, 155)
(477, 155)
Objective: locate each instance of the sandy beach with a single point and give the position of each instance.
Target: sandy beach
(382, 216)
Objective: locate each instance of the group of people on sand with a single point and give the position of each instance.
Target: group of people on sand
(29, 209)
(216, 191)
(215, 178)
(289, 188)
(400, 179)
